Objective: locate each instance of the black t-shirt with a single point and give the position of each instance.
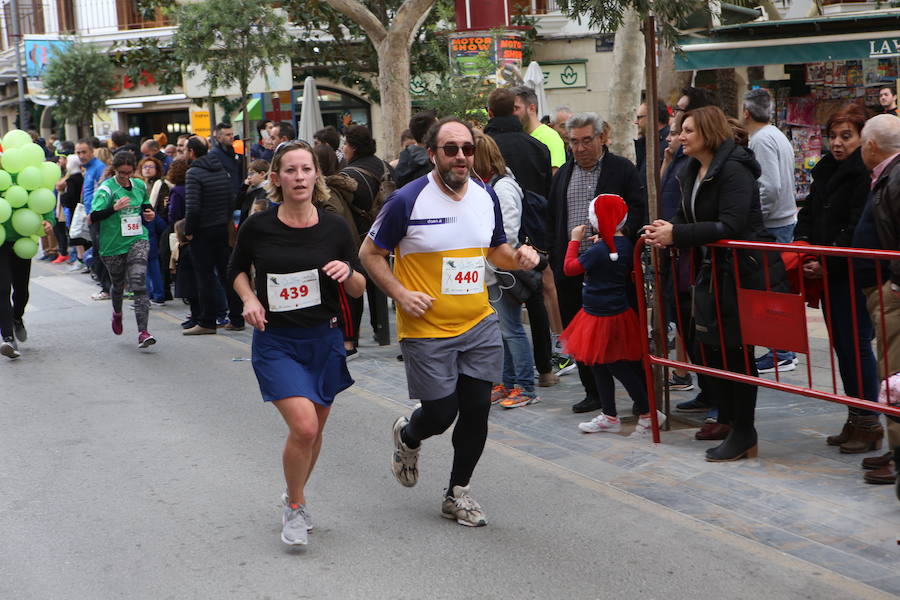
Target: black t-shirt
(278, 251)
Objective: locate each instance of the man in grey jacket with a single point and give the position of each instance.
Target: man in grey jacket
(775, 155)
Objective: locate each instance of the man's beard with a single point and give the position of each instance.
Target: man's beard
(451, 180)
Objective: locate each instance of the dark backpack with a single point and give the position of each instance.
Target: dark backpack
(386, 187)
(533, 229)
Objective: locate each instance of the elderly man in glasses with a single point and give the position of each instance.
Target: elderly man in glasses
(594, 170)
(442, 229)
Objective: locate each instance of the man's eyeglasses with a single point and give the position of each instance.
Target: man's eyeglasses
(125, 173)
(451, 150)
(587, 141)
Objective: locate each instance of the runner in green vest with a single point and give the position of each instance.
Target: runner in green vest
(121, 206)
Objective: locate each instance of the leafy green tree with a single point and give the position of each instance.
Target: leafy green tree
(81, 79)
(608, 15)
(230, 41)
(391, 33)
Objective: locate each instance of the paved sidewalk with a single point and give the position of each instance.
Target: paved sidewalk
(800, 496)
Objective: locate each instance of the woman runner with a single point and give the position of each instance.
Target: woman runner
(120, 206)
(305, 264)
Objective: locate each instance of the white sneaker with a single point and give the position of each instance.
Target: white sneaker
(645, 426)
(303, 509)
(293, 530)
(601, 423)
(461, 507)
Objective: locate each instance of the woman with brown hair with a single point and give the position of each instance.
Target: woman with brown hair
(305, 265)
(836, 199)
(719, 200)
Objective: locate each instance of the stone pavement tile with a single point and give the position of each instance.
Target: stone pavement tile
(887, 584)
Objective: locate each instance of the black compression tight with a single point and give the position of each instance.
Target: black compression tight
(471, 402)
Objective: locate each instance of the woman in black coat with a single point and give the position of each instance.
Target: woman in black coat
(719, 200)
(836, 200)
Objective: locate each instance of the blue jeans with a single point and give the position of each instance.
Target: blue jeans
(844, 346)
(518, 362)
(783, 235)
(155, 288)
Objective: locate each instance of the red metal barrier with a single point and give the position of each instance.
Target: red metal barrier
(768, 318)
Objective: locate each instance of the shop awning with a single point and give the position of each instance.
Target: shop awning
(722, 55)
(873, 34)
(254, 110)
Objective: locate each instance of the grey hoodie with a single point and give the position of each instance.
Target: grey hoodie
(775, 155)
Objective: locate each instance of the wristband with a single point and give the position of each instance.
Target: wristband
(349, 267)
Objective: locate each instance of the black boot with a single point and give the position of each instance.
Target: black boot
(740, 443)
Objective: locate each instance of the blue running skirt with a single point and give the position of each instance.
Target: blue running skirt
(301, 361)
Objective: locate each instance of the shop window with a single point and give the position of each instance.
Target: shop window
(65, 13)
(132, 16)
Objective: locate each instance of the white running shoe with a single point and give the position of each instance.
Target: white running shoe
(601, 423)
(462, 507)
(644, 426)
(404, 460)
(306, 516)
(293, 530)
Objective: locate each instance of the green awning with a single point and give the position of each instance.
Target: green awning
(254, 110)
(722, 55)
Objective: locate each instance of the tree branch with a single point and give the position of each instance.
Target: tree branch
(363, 17)
(410, 16)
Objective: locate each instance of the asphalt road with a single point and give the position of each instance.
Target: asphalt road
(157, 474)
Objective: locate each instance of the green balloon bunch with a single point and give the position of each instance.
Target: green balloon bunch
(26, 183)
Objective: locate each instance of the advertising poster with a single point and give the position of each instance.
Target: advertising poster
(499, 55)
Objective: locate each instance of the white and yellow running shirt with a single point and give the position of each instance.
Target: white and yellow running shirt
(440, 246)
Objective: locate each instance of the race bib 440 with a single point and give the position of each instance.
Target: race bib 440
(462, 275)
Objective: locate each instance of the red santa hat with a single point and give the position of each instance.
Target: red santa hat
(608, 213)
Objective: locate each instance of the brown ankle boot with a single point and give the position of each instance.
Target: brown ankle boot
(843, 436)
(865, 437)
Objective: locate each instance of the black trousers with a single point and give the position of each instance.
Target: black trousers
(540, 332)
(14, 274)
(737, 401)
(97, 266)
(471, 403)
(568, 290)
(210, 253)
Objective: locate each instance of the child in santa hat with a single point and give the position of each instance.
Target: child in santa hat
(606, 333)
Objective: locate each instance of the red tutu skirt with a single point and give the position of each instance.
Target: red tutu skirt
(600, 340)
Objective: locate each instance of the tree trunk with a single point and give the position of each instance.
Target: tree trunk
(393, 85)
(668, 79)
(727, 86)
(625, 85)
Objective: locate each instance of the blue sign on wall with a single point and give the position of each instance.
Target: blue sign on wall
(38, 54)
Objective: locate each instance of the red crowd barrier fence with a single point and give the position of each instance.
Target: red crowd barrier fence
(771, 317)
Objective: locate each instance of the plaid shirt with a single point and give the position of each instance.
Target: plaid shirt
(582, 189)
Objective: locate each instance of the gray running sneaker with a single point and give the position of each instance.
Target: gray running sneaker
(303, 509)
(462, 507)
(404, 462)
(19, 330)
(293, 530)
(8, 348)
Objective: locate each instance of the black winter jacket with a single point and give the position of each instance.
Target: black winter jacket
(836, 200)
(727, 203)
(527, 157)
(886, 212)
(412, 164)
(232, 165)
(208, 195)
(617, 176)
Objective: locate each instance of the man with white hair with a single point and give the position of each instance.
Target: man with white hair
(594, 170)
(775, 155)
(879, 227)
